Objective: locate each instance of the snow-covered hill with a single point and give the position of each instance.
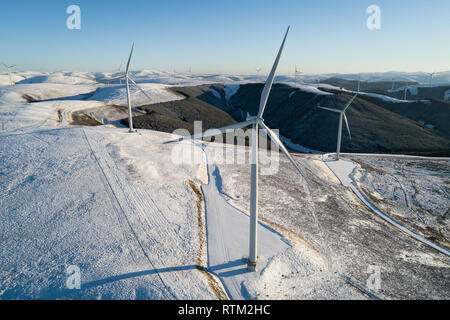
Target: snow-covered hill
(140, 223)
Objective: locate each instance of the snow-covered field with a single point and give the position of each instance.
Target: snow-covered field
(141, 225)
(415, 190)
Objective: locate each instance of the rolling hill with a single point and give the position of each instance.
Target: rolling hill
(378, 124)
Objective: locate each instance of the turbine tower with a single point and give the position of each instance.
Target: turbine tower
(128, 79)
(9, 72)
(256, 122)
(341, 115)
(258, 70)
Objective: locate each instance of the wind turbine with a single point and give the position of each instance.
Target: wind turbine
(342, 115)
(256, 122)
(296, 72)
(118, 70)
(431, 74)
(128, 79)
(9, 72)
(258, 70)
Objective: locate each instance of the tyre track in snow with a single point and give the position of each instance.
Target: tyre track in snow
(324, 237)
(153, 229)
(116, 203)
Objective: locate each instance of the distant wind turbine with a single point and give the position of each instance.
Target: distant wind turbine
(431, 74)
(128, 79)
(118, 70)
(258, 70)
(341, 115)
(296, 72)
(9, 72)
(256, 122)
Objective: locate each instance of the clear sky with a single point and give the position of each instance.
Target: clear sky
(227, 36)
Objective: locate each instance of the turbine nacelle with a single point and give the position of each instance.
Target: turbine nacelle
(254, 119)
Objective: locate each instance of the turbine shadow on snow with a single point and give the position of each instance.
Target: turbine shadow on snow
(212, 269)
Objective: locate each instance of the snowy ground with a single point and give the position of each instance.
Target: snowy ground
(347, 234)
(140, 225)
(415, 190)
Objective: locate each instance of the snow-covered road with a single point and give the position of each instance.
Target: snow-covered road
(343, 169)
(228, 238)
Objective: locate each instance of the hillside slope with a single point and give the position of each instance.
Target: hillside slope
(374, 127)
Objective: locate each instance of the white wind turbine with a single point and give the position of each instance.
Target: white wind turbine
(118, 70)
(258, 70)
(341, 115)
(296, 72)
(256, 122)
(9, 72)
(128, 79)
(431, 74)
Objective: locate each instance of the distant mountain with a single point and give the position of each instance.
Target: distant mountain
(377, 126)
(367, 86)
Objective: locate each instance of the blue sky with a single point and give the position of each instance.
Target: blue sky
(218, 36)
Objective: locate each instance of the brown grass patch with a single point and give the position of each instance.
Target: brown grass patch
(82, 119)
(213, 283)
(368, 167)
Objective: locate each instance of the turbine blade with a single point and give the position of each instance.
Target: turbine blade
(278, 142)
(213, 132)
(129, 58)
(350, 102)
(329, 109)
(142, 90)
(348, 128)
(269, 81)
(116, 78)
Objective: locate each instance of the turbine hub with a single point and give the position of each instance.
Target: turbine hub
(255, 119)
